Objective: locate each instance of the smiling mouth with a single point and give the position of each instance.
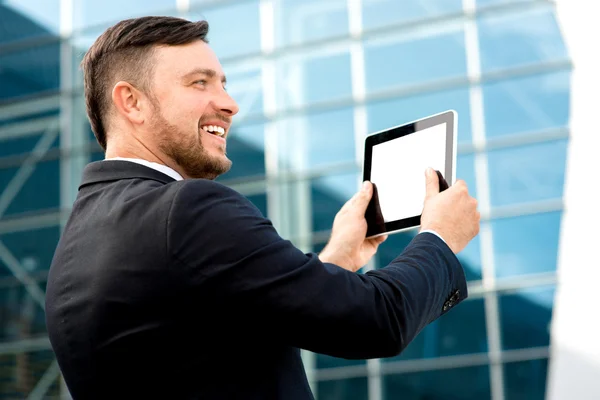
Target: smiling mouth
(214, 130)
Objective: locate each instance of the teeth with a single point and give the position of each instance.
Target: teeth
(217, 130)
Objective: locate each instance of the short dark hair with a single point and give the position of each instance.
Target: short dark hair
(123, 52)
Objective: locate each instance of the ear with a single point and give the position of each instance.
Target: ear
(129, 102)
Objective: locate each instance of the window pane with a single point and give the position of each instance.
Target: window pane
(526, 174)
(36, 191)
(525, 380)
(526, 104)
(514, 39)
(22, 371)
(33, 248)
(260, 201)
(22, 145)
(227, 40)
(315, 140)
(324, 361)
(314, 79)
(380, 13)
(343, 389)
(482, 3)
(386, 114)
(526, 244)
(88, 13)
(410, 62)
(310, 20)
(439, 384)
(246, 89)
(460, 331)
(328, 195)
(29, 71)
(245, 148)
(24, 19)
(525, 318)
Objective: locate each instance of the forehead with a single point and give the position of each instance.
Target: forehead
(176, 61)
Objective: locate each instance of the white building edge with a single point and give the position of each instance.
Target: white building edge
(574, 371)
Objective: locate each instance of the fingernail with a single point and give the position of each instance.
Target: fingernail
(428, 171)
(365, 185)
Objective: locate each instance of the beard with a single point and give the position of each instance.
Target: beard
(188, 151)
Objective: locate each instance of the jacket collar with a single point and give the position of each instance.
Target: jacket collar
(107, 170)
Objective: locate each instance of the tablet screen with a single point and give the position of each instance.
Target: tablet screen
(398, 170)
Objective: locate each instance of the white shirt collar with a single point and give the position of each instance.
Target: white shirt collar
(159, 167)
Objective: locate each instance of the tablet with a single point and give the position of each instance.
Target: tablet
(395, 162)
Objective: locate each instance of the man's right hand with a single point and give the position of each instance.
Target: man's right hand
(452, 214)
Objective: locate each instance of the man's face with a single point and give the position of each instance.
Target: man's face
(193, 111)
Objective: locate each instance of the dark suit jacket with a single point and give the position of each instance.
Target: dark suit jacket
(183, 290)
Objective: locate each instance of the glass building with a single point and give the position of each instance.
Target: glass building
(313, 78)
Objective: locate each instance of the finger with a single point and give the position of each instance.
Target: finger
(362, 198)
(432, 183)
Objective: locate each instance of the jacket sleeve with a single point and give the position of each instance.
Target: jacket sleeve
(232, 255)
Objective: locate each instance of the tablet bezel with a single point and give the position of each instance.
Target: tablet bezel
(448, 117)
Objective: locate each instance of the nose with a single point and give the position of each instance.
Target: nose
(226, 104)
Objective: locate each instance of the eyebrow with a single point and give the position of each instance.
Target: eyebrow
(211, 73)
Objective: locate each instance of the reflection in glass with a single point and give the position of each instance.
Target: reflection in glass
(223, 38)
(525, 380)
(316, 140)
(309, 20)
(328, 195)
(529, 104)
(415, 61)
(526, 37)
(382, 13)
(386, 114)
(525, 318)
(29, 71)
(527, 174)
(314, 79)
(26, 19)
(343, 389)
(526, 244)
(467, 383)
(88, 13)
(41, 190)
(460, 331)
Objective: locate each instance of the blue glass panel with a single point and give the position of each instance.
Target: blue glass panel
(380, 13)
(91, 13)
(34, 249)
(526, 174)
(470, 259)
(245, 148)
(25, 19)
(21, 146)
(514, 39)
(525, 318)
(343, 389)
(470, 383)
(526, 104)
(526, 244)
(460, 331)
(317, 139)
(29, 71)
(260, 201)
(40, 191)
(525, 380)
(415, 61)
(385, 114)
(246, 89)
(234, 30)
(328, 195)
(314, 79)
(309, 20)
(483, 3)
(324, 361)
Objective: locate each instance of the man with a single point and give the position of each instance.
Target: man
(168, 285)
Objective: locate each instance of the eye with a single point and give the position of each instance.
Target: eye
(202, 82)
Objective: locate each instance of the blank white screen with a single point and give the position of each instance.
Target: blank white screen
(398, 169)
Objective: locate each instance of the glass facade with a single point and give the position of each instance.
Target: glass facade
(312, 79)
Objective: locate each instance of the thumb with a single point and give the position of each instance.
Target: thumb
(362, 198)
(432, 183)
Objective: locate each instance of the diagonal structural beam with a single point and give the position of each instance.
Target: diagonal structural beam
(49, 377)
(21, 274)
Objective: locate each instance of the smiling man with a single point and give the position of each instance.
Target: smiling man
(168, 285)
